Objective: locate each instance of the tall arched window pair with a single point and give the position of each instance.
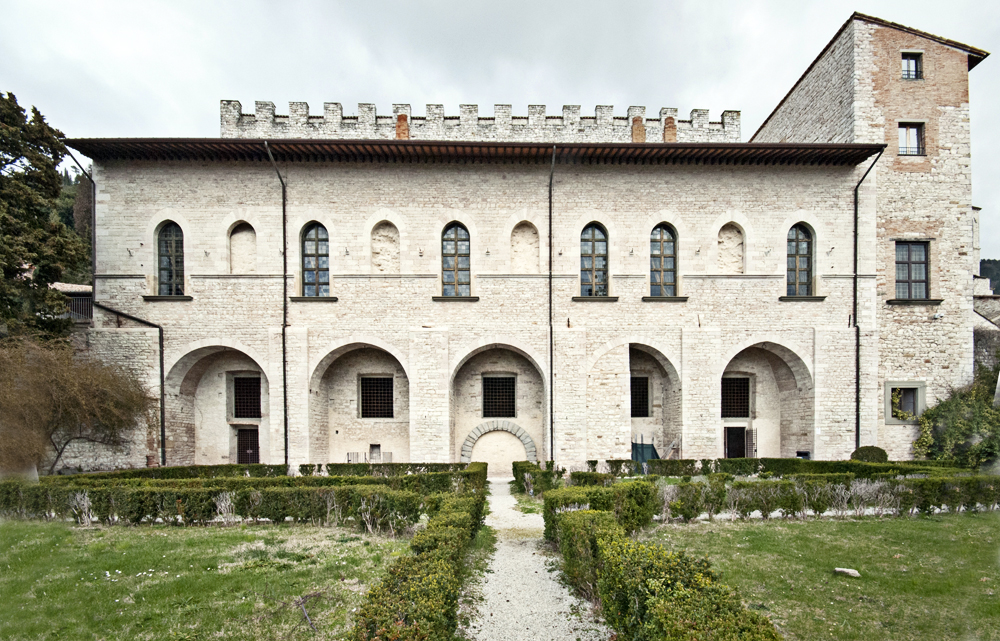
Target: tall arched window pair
(594, 261)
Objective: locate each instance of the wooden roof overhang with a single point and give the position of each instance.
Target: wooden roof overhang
(421, 151)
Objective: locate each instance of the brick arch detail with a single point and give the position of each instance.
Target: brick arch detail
(499, 426)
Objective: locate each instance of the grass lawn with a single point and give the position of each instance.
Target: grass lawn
(921, 578)
(162, 582)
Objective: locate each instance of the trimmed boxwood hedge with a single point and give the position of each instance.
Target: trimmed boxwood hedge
(632, 502)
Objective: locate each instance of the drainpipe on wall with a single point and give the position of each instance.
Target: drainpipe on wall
(857, 326)
(552, 414)
(284, 296)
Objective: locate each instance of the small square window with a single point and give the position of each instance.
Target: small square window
(499, 397)
(911, 139)
(640, 397)
(376, 397)
(904, 401)
(735, 397)
(246, 397)
(913, 66)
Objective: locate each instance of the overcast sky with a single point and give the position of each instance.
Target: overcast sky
(159, 69)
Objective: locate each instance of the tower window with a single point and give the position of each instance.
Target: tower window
(911, 139)
(594, 261)
(913, 66)
(799, 262)
(911, 271)
(662, 265)
(455, 254)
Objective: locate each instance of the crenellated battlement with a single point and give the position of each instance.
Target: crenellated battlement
(503, 125)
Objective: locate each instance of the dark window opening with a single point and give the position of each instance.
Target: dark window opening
(736, 444)
(316, 261)
(498, 397)
(456, 248)
(246, 397)
(911, 271)
(799, 262)
(593, 261)
(662, 262)
(735, 398)
(904, 402)
(640, 397)
(913, 66)
(376, 397)
(171, 260)
(247, 447)
(911, 139)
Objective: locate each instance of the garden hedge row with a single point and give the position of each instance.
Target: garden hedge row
(418, 597)
(648, 593)
(533, 479)
(819, 494)
(782, 467)
(633, 504)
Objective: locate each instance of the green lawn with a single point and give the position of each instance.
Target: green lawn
(161, 582)
(922, 578)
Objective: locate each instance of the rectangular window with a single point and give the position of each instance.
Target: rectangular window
(246, 397)
(498, 397)
(247, 447)
(640, 397)
(911, 139)
(904, 402)
(376, 397)
(735, 398)
(911, 271)
(913, 67)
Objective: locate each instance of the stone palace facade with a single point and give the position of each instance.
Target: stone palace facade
(325, 288)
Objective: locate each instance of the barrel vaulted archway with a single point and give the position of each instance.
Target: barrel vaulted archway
(530, 451)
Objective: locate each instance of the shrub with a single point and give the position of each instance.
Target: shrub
(738, 466)
(870, 454)
(591, 478)
(712, 613)
(578, 535)
(624, 467)
(673, 467)
(558, 501)
(689, 501)
(634, 504)
(532, 479)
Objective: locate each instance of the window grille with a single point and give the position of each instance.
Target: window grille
(247, 447)
(246, 397)
(315, 261)
(913, 68)
(171, 260)
(911, 271)
(498, 397)
(735, 398)
(911, 139)
(640, 396)
(376, 397)
(662, 265)
(455, 251)
(799, 261)
(594, 261)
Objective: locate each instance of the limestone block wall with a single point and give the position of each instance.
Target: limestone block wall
(603, 126)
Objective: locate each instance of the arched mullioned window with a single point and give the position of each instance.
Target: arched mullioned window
(800, 248)
(315, 261)
(594, 261)
(170, 247)
(455, 250)
(663, 261)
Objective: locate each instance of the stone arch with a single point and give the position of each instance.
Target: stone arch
(496, 425)
(385, 248)
(337, 349)
(201, 426)
(524, 248)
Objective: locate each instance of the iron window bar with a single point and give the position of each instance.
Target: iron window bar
(640, 396)
(376, 397)
(499, 397)
(913, 66)
(735, 397)
(246, 397)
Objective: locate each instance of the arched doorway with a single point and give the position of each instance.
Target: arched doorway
(498, 397)
(767, 404)
(655, 401)
(359, 407)
(218, 409)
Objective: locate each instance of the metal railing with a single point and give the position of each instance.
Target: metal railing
(911, 151)
(81, 308)
(912, 74)
(363, 457)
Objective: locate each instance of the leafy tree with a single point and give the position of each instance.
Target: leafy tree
(965, 426)
(35, 251)
(51, 397)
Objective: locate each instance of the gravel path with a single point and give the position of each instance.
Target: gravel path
(522, 599)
